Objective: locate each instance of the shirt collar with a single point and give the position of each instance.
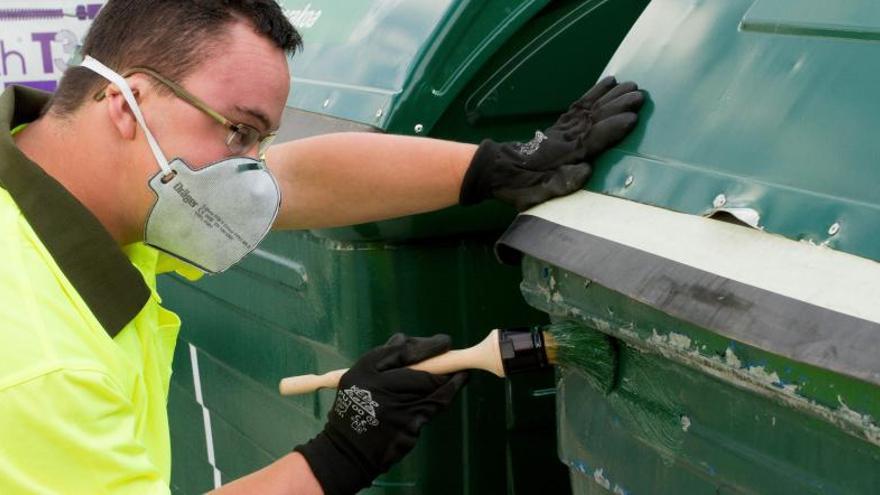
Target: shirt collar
(85, 252)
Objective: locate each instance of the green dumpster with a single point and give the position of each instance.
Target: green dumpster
(730, 247)
(308, 302)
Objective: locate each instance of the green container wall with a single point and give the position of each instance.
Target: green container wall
(685, 419)
(313, 301)
(769, 102)
(270, 318)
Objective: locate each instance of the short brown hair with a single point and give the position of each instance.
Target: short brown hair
(169, 36)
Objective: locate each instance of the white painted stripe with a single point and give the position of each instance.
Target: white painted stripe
(197, 380)
(209, 436)
(206, 414)
(813, 274)
(218, 482)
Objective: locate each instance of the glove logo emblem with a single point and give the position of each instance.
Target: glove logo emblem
(361, 406)
(532, 146)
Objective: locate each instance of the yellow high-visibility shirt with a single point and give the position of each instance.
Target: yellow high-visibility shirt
(85, 347)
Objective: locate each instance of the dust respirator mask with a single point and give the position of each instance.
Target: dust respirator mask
(211, 217)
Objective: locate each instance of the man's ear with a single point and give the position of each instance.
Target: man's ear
(120, 112)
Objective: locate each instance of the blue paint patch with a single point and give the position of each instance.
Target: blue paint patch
(709, 468)
(581, 466)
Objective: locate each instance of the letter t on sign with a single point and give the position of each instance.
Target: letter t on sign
(45, 40)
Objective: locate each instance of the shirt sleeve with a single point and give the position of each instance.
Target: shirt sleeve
(72, 431)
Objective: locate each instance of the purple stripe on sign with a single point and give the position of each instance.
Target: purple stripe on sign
(44, 85)
(28, 14)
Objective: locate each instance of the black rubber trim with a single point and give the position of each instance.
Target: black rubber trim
(779, 324)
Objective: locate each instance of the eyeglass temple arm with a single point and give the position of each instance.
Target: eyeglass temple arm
(179, 91)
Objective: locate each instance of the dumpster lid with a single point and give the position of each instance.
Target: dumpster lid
(358, 56)
(766, 105)
(804, 302)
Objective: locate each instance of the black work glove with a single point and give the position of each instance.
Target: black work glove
(557, 161)
(380, 408)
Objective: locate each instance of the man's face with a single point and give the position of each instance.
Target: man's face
(245, 79)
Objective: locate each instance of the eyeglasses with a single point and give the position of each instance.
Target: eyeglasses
(241, 137)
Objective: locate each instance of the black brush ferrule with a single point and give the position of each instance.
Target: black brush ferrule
(522, 349)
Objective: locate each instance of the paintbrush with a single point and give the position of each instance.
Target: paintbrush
(505, 352)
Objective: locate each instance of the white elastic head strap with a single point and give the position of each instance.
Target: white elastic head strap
(122, 84)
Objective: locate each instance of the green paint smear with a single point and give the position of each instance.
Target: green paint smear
(630, 381)
(587, 350)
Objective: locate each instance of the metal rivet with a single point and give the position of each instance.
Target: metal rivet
(326, 103)
(719, 201)
(629, 181)
(834, 229)
(419, 128)
(378, 113)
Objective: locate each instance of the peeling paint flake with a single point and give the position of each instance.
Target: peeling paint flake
(770, 378)
(672, 339)
(731, 359)
(685, 423)
(872, 431)
(601, 480)
(730, 368)
(599, 477)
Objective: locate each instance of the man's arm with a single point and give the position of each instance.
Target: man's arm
(350, 178)
(290, 475)
(357, 445)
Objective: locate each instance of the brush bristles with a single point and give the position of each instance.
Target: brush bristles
(570, 344)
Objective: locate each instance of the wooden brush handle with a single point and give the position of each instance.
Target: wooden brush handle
(303, 384)
(484, 356)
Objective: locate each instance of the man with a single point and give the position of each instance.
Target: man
(144, 161)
